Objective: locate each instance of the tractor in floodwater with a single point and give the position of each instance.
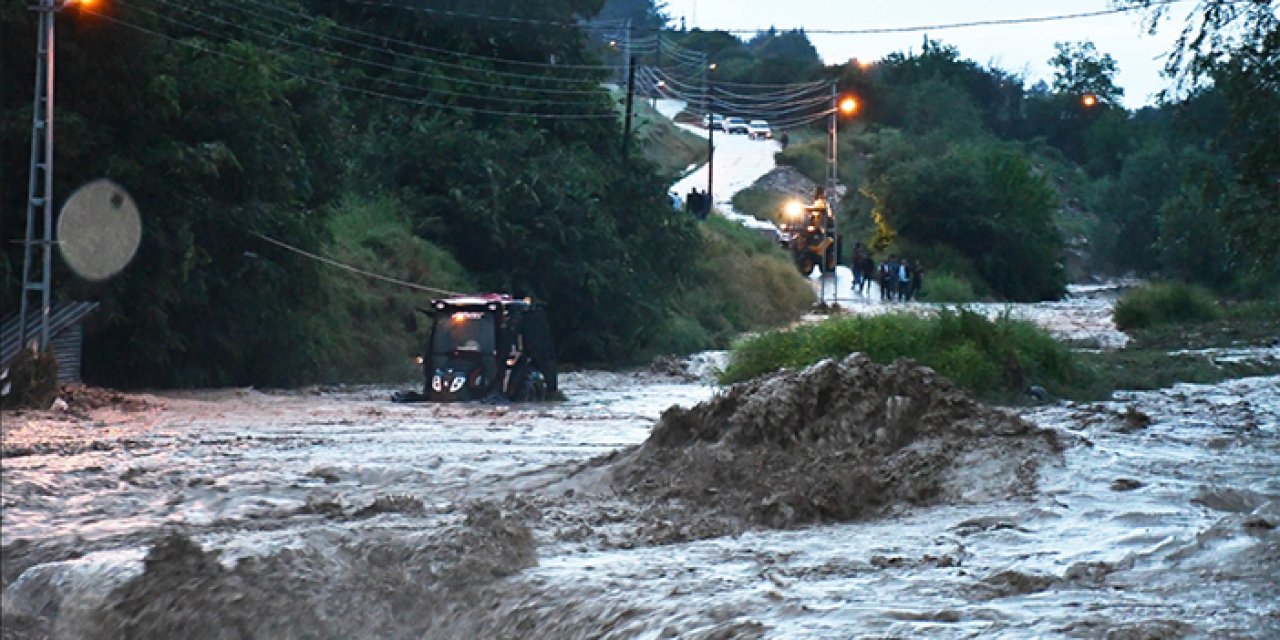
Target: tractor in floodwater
(486, 347)
(808, 232)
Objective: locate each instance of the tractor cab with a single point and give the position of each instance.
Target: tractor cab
(809, 233)
(485, 347)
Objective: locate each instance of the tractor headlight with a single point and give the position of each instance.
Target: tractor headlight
(436, 383)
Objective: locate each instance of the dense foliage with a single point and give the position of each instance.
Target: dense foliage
(994, 358)
(430, 144)
(1164, 303)
(231, 120)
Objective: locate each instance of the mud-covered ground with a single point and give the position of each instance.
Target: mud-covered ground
(847, 500)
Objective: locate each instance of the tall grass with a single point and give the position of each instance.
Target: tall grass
(1164, 303)
(742, 282)
(365, 337)
(993, 358)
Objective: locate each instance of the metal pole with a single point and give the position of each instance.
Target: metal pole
(657, 63)
(40, 186)
(831, 146)
(631, 94)
(711, 145)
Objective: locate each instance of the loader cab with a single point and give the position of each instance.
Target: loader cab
(488, 346)
(809, 233)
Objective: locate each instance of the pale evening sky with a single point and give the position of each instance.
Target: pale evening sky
(1021, 48)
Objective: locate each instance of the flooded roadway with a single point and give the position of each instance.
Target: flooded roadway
(335, 513)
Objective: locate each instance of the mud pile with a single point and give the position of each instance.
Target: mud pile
(834, 442)
(377, 583)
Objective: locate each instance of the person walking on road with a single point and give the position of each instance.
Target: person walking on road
(917, 279)
(855, 265)
(904, 281)
(887, 270)
(868, 271)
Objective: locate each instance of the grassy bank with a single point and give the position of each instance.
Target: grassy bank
(664, 144)
(365, 338)
(741, 282)
(999, 360)
(994, 358)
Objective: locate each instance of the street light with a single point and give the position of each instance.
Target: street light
(1089, 100)
(848, 105)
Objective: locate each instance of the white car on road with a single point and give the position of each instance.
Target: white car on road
(759, 130)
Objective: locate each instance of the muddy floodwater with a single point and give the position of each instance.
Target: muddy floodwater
(334, 513)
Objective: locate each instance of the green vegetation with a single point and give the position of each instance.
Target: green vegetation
(946, 287)
(747, 284)
(999, 359)
(760, 204)
(241, 120)
(324, 126)
(1164, 303)
(375, 236)
(994, 359)
(669, 148)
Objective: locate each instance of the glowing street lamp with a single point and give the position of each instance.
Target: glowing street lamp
(848, 105)
(1089, 100)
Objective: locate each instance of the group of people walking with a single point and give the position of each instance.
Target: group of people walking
(698, 203)
(899, 278)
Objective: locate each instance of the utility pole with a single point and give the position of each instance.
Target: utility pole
(40, 187)
(627, 59)
(631, 94)
(657, 63)
(711, 145)
(831, 146)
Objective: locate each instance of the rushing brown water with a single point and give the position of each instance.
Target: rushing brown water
(337, 514)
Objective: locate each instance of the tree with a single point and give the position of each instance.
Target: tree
(1080, 70)
(981, 200)
(1236, 46)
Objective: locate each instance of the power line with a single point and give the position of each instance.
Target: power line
(861, 31)
(967, 24)
(423, 47)
(376, 64)
(352, 269)
(342, 87)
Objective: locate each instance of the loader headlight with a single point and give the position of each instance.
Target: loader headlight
(436, 383)
(457, 383)
(794, 209)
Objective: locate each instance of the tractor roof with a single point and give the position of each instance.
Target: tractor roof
(483, 301)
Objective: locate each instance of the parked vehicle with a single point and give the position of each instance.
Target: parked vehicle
(713, 121)
(735, 125)
(483, 347)
(759, 130)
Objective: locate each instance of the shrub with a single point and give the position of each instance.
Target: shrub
(993, 358)
(1164, 303)
(945, 287)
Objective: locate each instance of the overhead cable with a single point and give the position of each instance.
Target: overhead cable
(186, 42)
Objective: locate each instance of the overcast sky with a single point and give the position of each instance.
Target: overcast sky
(1023, 48)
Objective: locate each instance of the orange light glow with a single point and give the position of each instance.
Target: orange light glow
(1089, 100)
(848, 105)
